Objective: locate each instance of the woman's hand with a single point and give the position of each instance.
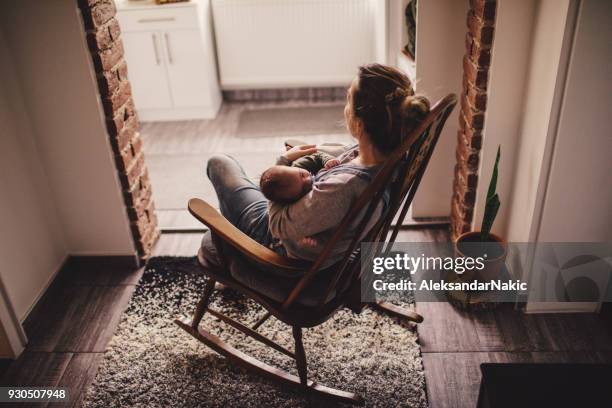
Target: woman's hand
(298, 151)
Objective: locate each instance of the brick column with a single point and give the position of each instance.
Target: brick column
(103, 38)
(478, 42)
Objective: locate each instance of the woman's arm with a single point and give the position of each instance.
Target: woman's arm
(319, 210)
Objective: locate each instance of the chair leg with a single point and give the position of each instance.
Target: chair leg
(399, 311)
(261, 321)
(203, 303)
(300, 355)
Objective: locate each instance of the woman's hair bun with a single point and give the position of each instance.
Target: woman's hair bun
(414, 107)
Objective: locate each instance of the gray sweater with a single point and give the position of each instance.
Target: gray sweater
(321, 210)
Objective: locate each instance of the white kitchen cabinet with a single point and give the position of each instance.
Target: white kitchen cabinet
(171, 60)
(147, 69)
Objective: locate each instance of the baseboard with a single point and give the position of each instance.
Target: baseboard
(425, 222)
(118, 261)
(154, 115)
(561, 307)
(322, 94)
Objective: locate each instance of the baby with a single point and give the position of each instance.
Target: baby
(286, 184)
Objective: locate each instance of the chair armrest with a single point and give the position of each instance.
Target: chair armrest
(225, 230)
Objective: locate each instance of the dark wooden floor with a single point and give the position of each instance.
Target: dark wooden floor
(70, 327)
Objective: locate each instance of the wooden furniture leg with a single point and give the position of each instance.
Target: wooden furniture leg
(300, 355)
(398, 311)
(261, 321)
(203, 303)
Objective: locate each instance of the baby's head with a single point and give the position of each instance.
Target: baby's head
(285, 184)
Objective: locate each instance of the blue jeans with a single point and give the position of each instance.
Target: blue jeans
(240, 200)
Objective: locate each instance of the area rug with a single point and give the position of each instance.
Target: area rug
(291, 121)
(150, 362)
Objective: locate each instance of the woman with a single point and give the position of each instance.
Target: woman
(381, 109)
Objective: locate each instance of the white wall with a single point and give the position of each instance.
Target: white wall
(46, 40)
(578, 201)
(549, 27)
(508, 78)
(440, 46)
(32, 245)
(577, 194)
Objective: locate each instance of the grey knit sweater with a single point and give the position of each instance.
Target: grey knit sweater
(321, 210)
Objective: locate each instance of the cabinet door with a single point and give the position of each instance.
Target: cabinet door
(188, 68)
(146, 69)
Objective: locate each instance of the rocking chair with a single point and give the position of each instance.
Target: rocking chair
(306, 295)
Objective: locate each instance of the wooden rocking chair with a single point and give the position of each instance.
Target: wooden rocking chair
(308, 295)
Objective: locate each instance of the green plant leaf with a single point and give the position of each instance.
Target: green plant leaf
(490, 213)
(492, 202)
(493, 182)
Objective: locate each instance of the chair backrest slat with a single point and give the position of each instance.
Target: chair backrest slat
(400, 175)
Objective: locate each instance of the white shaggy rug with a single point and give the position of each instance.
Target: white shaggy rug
(150, 362)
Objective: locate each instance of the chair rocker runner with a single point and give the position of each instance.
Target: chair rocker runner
(334, 287)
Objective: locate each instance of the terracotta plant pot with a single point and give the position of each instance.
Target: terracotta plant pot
(496, 249)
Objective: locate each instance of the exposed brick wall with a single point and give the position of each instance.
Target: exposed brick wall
(478, 42)
(104, 40)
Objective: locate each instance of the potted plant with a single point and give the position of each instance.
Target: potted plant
(490, 247)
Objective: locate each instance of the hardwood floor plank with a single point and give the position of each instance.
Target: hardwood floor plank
(5, 363)
(36, 369)
(447, 329)
(78, 375)
(453, 379)
(99, 317)
(45, 323)
(78, 318)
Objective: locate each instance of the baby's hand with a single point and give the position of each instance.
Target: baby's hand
(332, 163)
(308, 241)
(298, 151)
